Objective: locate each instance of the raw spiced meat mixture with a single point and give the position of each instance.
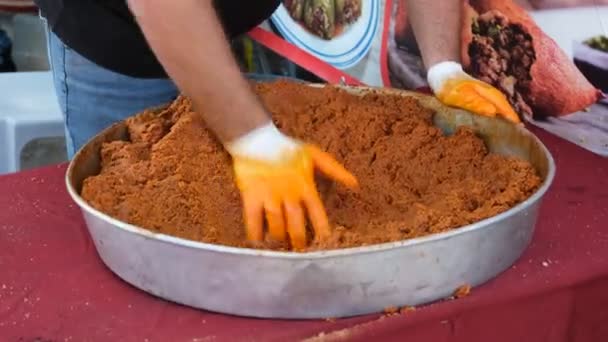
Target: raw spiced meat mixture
(502, 55)
(174, 177)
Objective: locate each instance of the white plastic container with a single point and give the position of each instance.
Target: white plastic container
(29, 116)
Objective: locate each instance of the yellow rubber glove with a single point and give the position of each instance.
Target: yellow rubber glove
(275, 175)
(456, 88)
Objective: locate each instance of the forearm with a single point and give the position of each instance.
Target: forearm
(189, 42)
(436, 25)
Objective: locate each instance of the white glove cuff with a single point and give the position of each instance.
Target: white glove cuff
(263, 143)
(440, 72)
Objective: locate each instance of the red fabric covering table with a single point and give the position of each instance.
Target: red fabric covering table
(53, 286)
(17, 6)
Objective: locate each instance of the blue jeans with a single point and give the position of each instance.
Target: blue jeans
(93, 98)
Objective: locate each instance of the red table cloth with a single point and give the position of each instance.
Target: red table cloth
(17, 6)
(54, 287)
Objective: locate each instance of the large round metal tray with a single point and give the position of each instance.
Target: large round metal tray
(335, 283)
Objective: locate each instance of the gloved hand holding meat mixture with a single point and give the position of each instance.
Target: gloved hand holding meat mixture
(437, 27)
(275, 175)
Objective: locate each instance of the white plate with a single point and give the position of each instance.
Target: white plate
(343, 51)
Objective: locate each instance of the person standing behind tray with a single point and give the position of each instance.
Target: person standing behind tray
(113, 58)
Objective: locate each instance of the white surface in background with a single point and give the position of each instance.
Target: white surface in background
(29, 94)
(572, 24)
(28, 110)
(585, 128)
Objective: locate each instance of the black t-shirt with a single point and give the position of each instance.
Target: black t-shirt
(105, 32)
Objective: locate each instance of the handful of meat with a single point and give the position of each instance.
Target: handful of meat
(504, 47)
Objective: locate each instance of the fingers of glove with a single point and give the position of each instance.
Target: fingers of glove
(252, 211)
(275, 220)
(331, 167)
(317, 214)
(296, 225)
(499, 100)
(466, 96)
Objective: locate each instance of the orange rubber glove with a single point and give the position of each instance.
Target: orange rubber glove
(275, 175)
(456, 88)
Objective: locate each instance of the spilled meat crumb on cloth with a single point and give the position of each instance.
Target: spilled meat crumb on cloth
(174, 177)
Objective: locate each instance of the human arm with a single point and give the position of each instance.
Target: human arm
(189, 42)
(435, 23)
(437, 27)
(274, 173)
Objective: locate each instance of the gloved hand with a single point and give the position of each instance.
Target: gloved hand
(275, 175)
(452, 86)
